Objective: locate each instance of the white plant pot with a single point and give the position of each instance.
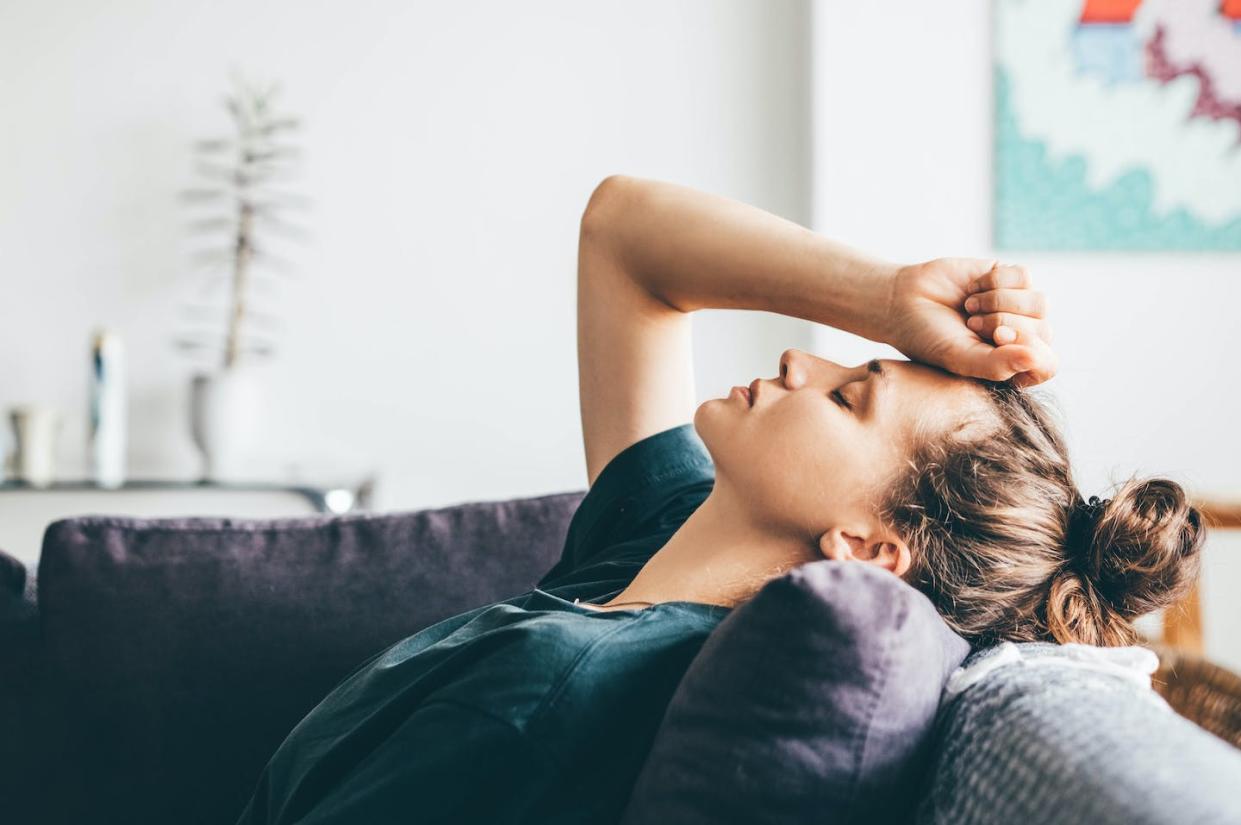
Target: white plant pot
(226, 420)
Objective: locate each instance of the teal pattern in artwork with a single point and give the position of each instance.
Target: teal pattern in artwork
(1041, 203)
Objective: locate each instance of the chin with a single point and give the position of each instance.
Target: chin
(712, 420)
(708, 414)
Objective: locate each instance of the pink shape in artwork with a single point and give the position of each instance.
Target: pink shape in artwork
(1210, 103)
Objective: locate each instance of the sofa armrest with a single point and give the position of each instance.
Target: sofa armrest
(22, 752)
(1044, 743)
(12, 576)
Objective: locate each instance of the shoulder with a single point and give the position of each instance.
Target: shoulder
(647, 473)
(643, 495)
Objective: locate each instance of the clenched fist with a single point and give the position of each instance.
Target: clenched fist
(974, 317)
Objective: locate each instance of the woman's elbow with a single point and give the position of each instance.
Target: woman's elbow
(605, 202)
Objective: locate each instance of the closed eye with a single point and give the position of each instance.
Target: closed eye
(840, 399)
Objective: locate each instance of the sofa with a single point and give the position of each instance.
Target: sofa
(149, 668)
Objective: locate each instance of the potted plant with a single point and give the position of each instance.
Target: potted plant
(243, 175)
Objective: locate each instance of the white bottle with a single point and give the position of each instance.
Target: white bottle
(108, 410)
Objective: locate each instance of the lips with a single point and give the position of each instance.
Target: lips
(753, 391)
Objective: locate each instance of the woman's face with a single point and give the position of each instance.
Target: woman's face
(813, 449)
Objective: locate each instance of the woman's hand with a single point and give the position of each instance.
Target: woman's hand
(973, 317)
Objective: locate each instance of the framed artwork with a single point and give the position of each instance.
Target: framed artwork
(1117, 124)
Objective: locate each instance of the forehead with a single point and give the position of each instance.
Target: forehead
(917, 376)
(925, 398)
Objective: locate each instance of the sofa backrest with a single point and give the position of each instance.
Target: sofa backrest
(176, 655)
(168, 659)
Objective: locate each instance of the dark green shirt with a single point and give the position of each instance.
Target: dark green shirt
(533, 709)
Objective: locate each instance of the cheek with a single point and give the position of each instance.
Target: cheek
(788, 459)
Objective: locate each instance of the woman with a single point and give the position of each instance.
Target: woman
(942, 470)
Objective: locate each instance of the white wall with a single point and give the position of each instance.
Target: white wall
(902, 147)
(450, 149)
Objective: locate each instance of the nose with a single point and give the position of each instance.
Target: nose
(798, 367)
(794, 368)
(791, 372)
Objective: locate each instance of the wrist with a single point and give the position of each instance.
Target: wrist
(848, 290)
(876, 312)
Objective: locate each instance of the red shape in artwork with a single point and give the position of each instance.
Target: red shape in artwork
(1109, 11)
(1209, 103)
(1231, 9)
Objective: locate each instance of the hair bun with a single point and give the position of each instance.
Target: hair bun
(1083, 519)
(1139, 550)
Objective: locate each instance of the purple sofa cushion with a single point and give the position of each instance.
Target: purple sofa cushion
(813, 702)
(181, 652)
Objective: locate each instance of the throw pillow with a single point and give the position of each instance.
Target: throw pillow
(813, 702)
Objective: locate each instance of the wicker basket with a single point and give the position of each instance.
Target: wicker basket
(1200, 690)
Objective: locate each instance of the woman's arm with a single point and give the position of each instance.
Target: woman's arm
(694, 250)
(651, 252)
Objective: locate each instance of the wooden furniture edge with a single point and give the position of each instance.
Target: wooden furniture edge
(1182, 622)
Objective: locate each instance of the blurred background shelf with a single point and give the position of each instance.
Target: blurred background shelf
(25, 511)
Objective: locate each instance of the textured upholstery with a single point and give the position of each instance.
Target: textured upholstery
(177, 654)
(165, 660)
(1045, 742)
(12, 576)
(813, 702)
(21, 744)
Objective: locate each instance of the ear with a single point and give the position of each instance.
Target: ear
(873, 545)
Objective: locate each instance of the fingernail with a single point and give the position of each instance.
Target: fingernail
(971, 304)
(973, 322)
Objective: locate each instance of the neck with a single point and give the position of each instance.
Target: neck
(717, 556)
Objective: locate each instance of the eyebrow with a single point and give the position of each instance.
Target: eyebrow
(873, 367)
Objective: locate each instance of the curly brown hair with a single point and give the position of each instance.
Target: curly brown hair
(1007, 549)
